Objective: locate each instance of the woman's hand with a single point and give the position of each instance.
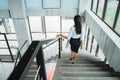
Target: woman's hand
(59, 35)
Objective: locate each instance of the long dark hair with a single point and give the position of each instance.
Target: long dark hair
(77, 24)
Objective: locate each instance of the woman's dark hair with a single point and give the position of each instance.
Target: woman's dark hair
(78, 25)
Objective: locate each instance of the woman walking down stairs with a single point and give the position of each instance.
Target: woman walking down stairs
(86, 67)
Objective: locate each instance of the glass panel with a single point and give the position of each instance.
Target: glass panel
(94, 5)
(52, 23)
(11, 25)
(100, 7)
(69, 4)
(7, 26)
(66, 24)
(3, 44)
(118, 24)
(4, 52)
(111, 11)
(35, 24)
(2, 29)
(51, 35)
(38, 36)
(11, 36)
(2, 37)
(51, 3)
(33, 3)
(13, 44)
(3, 4)
(14, 51)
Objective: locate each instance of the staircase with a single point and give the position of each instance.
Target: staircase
(86, 67)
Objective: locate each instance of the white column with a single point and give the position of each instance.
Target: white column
(18, 14)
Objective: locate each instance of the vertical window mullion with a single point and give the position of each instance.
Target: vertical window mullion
(97, 6)
(116, 16)
(91, 4)
(104, 10)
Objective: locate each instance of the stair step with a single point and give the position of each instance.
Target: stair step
(82, 65)
(29, 77)
(78, 69)
(32, 72)
(86, 74)
(86, 78)
(80, 62)
(33, 67)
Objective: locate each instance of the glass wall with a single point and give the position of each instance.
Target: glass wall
(111, 11)
(107, 10)
(7, 29)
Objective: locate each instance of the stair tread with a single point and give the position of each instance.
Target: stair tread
(86, 73)
(86, 78)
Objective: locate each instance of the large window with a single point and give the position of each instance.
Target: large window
(107, 11)
(100, 7)
(110, 12)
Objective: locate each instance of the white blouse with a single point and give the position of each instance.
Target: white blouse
(73, 34)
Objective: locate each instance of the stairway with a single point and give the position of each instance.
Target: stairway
(86, 67)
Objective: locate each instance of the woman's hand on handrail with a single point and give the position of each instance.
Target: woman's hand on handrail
(61, 35)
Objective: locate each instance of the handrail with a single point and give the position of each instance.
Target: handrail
(34, 50)
(52, 42)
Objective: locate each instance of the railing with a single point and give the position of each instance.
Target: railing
(34, 50)
(8, 46)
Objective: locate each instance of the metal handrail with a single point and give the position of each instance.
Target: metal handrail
(34, 50)
(37, 73)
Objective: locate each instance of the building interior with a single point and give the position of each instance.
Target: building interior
(30, 50)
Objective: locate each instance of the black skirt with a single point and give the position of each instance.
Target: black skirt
(75, 44)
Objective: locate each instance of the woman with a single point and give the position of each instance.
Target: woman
(75, 37)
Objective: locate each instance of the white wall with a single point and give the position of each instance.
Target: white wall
(108, 41)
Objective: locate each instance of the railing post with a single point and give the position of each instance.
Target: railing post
(59, 42)
(41, 62)
(87, 39)
(97, 49)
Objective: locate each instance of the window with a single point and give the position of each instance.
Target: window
(110, 12)
(118, 24)
(94, 5)
(100, 7)
(52, 23)
(36, 28)
(35, 24)
(66, 24)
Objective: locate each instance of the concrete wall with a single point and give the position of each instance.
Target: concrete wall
(108, 41)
